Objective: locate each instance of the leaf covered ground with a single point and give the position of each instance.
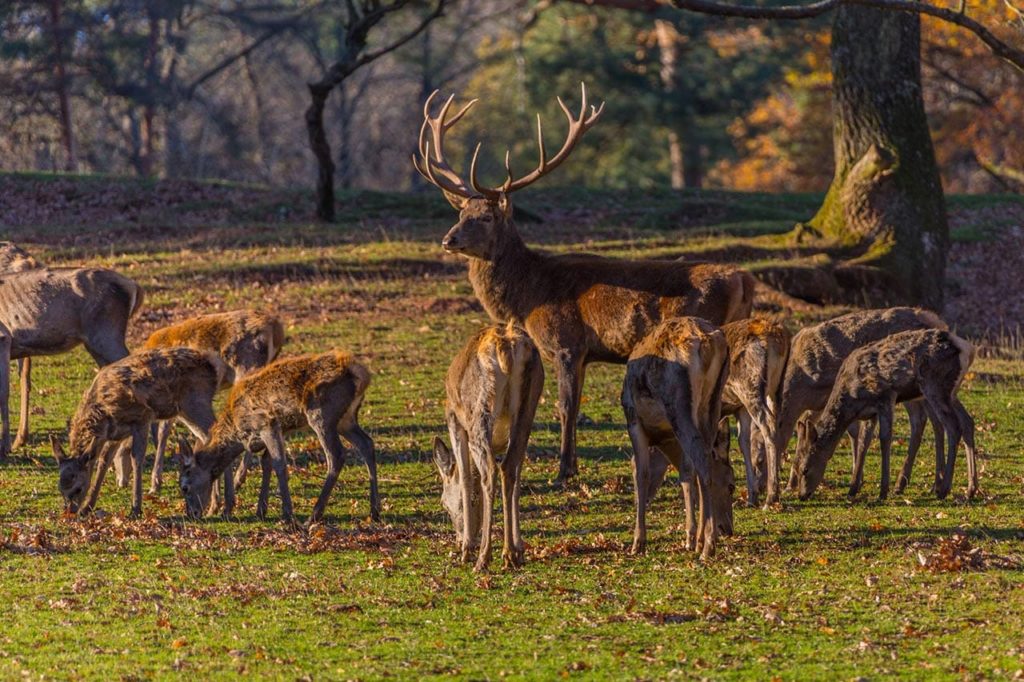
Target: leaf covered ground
(824, 589)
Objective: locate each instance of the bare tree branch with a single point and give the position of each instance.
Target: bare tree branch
(1003, 50)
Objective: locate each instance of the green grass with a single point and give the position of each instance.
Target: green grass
(825, 589)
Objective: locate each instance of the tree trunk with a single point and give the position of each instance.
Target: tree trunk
(886, 196)
(62, 86)
(321, 149)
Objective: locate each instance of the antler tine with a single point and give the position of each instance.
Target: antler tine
(435, 169)
(577, 127)
(540, 145)
(508, 171)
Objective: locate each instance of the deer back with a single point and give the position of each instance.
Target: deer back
(140, 388)
(685, 357)
(53, 309)
(245, 340)
(285, 390)
(758, 350)
(489, 376)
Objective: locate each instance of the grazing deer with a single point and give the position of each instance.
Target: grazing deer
(928, 364)
(123, 400)
(46, 311)
(245, 340)
(323, 391)
(672, 398)
(492, 389)
(757, 360)
(578, 309)
(815, 355)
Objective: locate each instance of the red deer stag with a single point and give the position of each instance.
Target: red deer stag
(577, 308)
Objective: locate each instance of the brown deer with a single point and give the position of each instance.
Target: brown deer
(492, 390)
(672, 399)
(123, 400)
(323, 391)
(46, 311)
(928, 364)
(815, 355)
(577, 308)
(13, 258)
(245, 340)
(757, 360)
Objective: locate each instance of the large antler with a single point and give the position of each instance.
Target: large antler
(437, 171)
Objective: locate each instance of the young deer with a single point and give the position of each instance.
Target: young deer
(323, 391)
(757, 360)
(928, 364)
(245, 340)
(577, 308)
(47, 311)
(672, 398)
(492, 389)
(122, 402)
(815, 355)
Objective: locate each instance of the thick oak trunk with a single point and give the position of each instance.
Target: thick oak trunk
(886, 195)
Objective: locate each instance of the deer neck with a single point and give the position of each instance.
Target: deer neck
(221, 455)
(502, 283)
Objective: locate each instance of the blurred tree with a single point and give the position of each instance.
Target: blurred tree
(886, 196)
(354, 21)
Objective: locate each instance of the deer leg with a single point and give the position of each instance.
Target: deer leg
(641, 476)
(569, 371)
(244, 462)
(939, 435)
(163, 432)
(99, 472)
(966, 423)
(763, 434)
(140, 438)
(5, 391)
(861, 435)
(708, 533)
(362, 442)
(941, 406)
(917, 414)
(25, 376)
(885, 441)
(261, 503)
(123, 465)
(274, 440)
(745, 437)
(483, 461)
(326, 429)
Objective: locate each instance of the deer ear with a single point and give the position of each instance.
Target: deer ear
(505, 205)
(457, 202)
(58, 449)
(443, 457)
(184, 454)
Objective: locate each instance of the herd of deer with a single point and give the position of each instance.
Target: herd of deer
(693, 357)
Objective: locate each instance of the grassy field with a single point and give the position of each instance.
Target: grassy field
(825, 589)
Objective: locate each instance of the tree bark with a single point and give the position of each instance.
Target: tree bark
(886, 196)
(321, 149)
(62, 86)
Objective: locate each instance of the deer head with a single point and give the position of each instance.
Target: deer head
(195, 482)
(75, 475)
(485, 212)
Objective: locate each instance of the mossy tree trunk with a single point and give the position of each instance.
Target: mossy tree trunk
(886, 196)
